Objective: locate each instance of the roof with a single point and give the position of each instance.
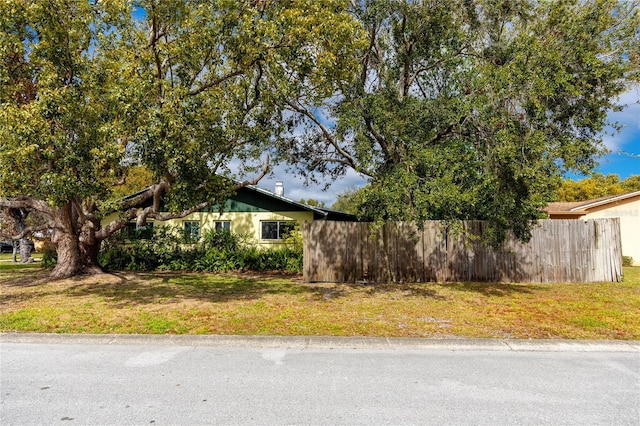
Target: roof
(285, 200)
(242, 193)
(580, 208)
(338, 215)
(318, 212)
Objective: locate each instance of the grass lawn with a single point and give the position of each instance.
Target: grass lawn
(9, 256)
(6, 264)
(196, 303)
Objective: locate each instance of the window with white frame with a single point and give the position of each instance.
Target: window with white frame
(191, 230)
(275, 230)
(222, 225)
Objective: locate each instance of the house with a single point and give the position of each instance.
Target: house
(624, 206)
(262, 216)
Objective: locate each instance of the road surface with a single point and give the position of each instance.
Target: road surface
(160, 380)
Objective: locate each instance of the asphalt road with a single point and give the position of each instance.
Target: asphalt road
(263, 381)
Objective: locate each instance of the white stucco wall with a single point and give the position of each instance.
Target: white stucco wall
(629, 214)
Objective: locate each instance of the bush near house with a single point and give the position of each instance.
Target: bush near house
(167, 248)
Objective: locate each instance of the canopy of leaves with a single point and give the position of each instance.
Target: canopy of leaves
(349, 200)
(596, 186)
(136, 178)
(189, 90)
(86, 91)
(474, 109)
(312, 202)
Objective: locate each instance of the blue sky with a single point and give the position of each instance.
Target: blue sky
(624, 159)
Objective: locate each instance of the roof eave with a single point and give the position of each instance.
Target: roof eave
(287, 200)
(620, 197)
(571, 214)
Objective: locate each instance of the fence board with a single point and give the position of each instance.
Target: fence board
(559, 251)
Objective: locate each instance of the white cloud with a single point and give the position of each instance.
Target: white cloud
(611, 142)
(296, 189)
(629, 136)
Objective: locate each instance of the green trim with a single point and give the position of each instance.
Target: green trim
(256, 200)
(247, 200)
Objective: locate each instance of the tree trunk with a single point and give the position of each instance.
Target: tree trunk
(89, 249)
(75, 257)
(69, 259)
(25, 251)
(77, 249)
(20, 219)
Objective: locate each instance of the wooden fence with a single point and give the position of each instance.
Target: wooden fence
(559, 251)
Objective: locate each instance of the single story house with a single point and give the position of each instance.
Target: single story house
(262, 216)
(624, 206)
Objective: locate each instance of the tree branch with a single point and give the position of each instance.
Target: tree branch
(327, 134)
(219, 80)
(437, 63)
(447, 130)
(25, 202)
(154, 36)
(154, 213)
(156, 192)
(31, 229)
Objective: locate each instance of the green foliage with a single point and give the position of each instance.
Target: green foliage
(348, 201)
(89, 95)
(218, 251)
(596, 186)
(56, 112)
(312, 202)
(223, 240)
(49, 256)
(135, 179)
(627, 261)
(474, 109)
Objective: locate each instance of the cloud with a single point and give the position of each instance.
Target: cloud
(295, 187)
(629, 118)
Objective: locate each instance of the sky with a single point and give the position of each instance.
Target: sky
(623, 159)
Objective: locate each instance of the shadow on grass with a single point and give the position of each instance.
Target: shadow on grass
(27, 276)
(424, 290)
(130, 289)
(490, 289)
(124, 289)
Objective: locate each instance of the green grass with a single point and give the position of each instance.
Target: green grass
(9, 256)
(7, 264)
(189, 303)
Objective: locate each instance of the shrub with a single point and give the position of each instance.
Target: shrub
(218, 251)
(627, 261)
(223, 240)
(49, 255)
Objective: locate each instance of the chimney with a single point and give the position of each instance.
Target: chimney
(279, 188)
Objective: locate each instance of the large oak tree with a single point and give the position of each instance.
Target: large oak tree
(186, 88)
(473, 109)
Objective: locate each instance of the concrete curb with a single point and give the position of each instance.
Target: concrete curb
(329, 342)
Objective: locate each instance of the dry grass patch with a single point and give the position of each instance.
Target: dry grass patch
(284, 305)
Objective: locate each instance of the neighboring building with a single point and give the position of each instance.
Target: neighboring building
(263, 216)
(624, 206)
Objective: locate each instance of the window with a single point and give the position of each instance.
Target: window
(222, 225)
(135, 232)
(191, 230)
(276, 230)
